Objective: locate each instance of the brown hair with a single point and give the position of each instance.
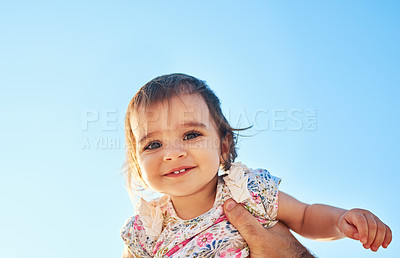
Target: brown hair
(162, 89)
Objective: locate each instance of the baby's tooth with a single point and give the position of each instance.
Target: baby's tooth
(180, 171)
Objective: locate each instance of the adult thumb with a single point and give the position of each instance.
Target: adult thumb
(249, 227)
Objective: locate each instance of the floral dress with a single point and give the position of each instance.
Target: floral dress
(157, 231)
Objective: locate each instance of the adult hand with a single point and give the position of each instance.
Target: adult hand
(126, 253)
(276, 241)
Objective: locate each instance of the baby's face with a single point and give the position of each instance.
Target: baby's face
(177, 136)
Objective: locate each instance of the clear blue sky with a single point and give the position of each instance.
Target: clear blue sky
(318, 80)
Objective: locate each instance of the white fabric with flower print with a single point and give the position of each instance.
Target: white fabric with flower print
(157, 231)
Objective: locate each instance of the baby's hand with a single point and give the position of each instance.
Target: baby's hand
(362, 225)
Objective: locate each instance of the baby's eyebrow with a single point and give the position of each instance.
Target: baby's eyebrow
(195, 124)
(186, 124)
(144, 138)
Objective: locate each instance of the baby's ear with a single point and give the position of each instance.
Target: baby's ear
(225, 148)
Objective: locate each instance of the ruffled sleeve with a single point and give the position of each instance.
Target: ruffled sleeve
(266, 187)
(257, 189)
(132, 234)
(237, 181)
(151, 217)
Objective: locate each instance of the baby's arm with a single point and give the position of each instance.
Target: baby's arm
(323, 222)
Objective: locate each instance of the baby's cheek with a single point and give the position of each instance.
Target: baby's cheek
(147, 162)
(148, 169)
(149, 175)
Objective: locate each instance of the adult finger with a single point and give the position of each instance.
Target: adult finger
(276, 242)
(248, 226)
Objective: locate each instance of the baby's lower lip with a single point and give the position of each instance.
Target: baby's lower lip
(179, 174)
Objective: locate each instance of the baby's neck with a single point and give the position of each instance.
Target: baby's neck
(189, 207)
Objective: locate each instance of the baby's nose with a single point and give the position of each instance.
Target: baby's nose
(175, 153)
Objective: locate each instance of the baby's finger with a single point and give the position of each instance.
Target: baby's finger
(388, 237)
(350, 231)
(360, 222)
(372, 227)
(380, 235)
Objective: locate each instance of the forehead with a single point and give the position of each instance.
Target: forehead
(171, 114)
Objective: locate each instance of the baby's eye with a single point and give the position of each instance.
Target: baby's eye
(191, 135)
(152, 146)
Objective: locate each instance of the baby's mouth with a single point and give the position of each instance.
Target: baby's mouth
(179, 171)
